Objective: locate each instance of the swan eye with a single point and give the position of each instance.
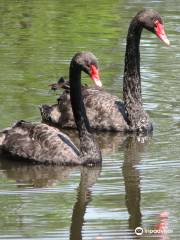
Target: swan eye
(86, 69)
(156, 22)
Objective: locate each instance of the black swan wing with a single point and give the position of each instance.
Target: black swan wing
(41, 143)
(104, 110)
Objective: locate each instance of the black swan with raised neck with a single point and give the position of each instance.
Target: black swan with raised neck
(44, 144)
(105, 111)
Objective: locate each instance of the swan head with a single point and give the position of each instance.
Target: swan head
(87, 62)
(153, 22)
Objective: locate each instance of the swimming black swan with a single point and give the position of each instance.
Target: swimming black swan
(105, 111)
(45, 144)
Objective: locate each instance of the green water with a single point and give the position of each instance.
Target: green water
(140, 177)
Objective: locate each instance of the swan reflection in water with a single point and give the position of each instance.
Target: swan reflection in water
(46, 176)
(39, 176)
(133, 148)
(88, 179)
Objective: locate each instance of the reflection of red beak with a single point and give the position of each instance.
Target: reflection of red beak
(159, 30)
(94, 73)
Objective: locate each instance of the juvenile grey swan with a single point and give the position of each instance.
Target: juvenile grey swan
(41, 143)
(105, 111)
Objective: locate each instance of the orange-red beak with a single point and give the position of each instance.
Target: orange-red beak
(160, 32)
(94, 73)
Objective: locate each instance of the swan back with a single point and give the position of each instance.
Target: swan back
(39, 142)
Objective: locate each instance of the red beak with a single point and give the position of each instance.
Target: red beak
(160, 32)
(94, 73)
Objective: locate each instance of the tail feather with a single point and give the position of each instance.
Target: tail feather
(61, 83)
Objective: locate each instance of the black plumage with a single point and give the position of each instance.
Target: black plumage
(108, 112)
(41, 143)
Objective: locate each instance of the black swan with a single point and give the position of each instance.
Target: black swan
(41, 143)
(105, 111)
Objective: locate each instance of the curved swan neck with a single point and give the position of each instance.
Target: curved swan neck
(137, 118)
(77, 101)
(132, 78)
(88, 146)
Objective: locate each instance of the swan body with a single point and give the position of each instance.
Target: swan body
(108, 112)
(40, 143)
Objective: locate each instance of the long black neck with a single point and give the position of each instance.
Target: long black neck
(88, 146)
(132, 78)
(78, 108)
(137, 118)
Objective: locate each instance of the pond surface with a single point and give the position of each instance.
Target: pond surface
(139, 182)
